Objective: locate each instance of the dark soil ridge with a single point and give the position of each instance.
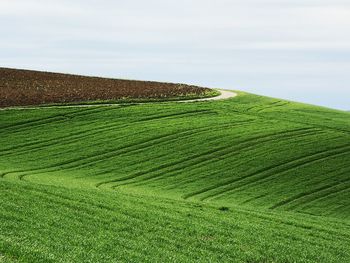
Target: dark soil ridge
(20, 87)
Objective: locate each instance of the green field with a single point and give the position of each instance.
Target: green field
(248, 179)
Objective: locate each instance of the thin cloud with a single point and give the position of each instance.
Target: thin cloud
(262, 46)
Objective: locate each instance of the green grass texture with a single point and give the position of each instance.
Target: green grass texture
(247, 179)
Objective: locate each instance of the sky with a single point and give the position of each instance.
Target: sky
(292, 49)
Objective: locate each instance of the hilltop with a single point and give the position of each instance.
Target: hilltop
(27, 87)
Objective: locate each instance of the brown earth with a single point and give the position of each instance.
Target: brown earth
(26, 87)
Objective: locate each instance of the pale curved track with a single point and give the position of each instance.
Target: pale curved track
(224, 94)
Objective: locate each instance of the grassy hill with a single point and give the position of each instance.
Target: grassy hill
(248, 179)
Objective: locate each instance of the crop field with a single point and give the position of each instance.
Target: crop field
(26, 87)
(247, 179)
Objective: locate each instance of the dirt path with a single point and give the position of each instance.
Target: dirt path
(225, 94)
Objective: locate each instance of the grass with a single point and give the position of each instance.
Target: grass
(249, 179)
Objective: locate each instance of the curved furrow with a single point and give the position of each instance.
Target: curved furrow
(339, 189)
(253, 146)
(15, 128)
(47, 168)
(310, 194)
(141, 146)
(195, 164)
(208, 156)
(138, 174)
(73, 137)
(39, 144)
(250, 108)
(47, 142)
(274, 105)
(336, 192)
(258, 107)
(275, 170)
(230, 165)
(97, 156)
(262, 107)
(271, 176)
(31, 122)
(225, 183)
(197, 131)
(181, 114)
(91, 110)
(236, 162)
(285, 119)
(101, 157)
(54, 167)
(70, 138)
(263, 178)
(205, 155)
(254, 198)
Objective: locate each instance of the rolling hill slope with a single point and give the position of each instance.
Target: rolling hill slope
(248, 179)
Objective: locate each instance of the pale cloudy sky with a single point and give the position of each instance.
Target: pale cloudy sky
(293, 49)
